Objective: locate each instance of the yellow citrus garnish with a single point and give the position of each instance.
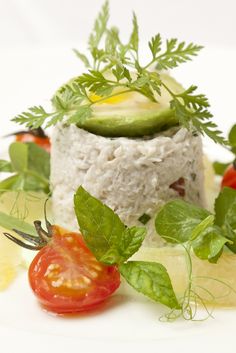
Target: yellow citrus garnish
(113, 100)
(216, 283)
(10, 260)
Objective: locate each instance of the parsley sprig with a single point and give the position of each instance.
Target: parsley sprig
(114, 68)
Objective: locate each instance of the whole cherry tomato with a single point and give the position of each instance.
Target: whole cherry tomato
(229, 177)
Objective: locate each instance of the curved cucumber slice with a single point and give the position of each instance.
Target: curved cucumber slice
(135, 125)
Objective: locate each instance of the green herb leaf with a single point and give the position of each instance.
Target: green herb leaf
(38, 160)
(5, 166)
(177, 220)
(232, 136)
(210, 244)
(82, 57)
(9, 222)
(18, 153)
(176, 53)
(13, 183)
(225, 210)
(223, 203)
(155, 45)
(144, 218)
(106, 236)
(152, 280)
(201, 227)
(100, 27)
(134, 39)
(220, 168)
(31, 165)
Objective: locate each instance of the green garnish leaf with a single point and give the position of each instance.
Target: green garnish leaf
(144, 218)
(223, 203)
(9, 222)
(201, 227)
(134, 39)
(177, 220)
(110, 64)
(5, 166)
(82, 57)
(232, 136)
(176, 53)
(155, 45)
(209, 244)
(152, 280)
(104, 233)
(13, 183)
(18, 153)
(220, 168)
(181, 222)
(225, 210)
(100, 27)
(31, 167)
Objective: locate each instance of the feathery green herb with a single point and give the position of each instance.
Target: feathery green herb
(114, 68)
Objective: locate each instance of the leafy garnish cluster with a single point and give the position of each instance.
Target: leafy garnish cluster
(178, 222)
(114, 68)
(30, 168)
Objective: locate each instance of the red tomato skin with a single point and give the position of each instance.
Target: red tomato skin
(73, 284)
(229, 178)
(43, 142)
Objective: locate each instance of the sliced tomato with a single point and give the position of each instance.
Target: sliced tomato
(43, 142)
(229, 178)
(67, 278)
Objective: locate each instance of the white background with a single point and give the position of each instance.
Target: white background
(63, 22)
(36, 37)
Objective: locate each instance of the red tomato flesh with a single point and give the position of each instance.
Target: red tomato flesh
(67, 278)
(229, 178)
(43, 142)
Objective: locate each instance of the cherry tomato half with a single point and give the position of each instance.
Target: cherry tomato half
(43, 142)
(229, 178)
(67, 278)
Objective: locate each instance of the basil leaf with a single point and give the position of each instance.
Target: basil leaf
(10, 222)
(177, 219)
(104, 233)
(18, 153)
(152, 280)
(209, 244)
(5, 166)
(220, 168)
(128, 244)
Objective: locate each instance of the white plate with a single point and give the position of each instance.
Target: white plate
(127, 322)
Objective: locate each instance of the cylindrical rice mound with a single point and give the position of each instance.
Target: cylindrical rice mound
(133, 176)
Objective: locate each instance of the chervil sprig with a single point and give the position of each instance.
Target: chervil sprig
(114, 68)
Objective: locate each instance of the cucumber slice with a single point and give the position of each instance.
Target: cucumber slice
(131, 125)
(134, 115)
